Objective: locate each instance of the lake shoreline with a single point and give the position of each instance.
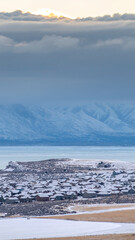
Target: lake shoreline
(38, 153)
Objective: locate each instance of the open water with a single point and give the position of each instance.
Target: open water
(33, 153)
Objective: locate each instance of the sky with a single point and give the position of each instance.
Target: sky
(49, 61)
(75, 8)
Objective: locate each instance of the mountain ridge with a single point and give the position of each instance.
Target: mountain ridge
(92, 124)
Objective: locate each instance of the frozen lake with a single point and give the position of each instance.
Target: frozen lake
(32, 153)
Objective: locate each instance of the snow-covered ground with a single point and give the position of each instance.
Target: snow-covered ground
(23, 228)
(93, 163)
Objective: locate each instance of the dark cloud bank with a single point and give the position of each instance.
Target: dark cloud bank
(44, 60)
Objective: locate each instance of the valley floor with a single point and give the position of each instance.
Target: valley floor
(68, 200)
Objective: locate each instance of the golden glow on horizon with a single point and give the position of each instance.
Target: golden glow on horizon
(47, 12)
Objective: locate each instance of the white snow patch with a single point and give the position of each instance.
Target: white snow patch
(22, 228)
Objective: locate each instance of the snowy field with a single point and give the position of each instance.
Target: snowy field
(119, 164)
(23, 228)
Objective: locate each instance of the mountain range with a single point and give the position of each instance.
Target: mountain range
(92, 124)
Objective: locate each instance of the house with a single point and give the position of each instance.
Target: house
(14, 192)
(25, 198)
(131, 191)
(58, 197)
(70, 195)
(1, 199)
(42, 197)
(104, 193)
(89, 194)
(12, 200)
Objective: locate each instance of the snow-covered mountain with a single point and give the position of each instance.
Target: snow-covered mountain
(94, 124)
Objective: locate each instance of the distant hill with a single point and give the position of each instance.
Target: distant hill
(94, 124)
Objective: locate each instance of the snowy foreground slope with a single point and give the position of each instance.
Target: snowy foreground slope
(39, 228)
(94, 124)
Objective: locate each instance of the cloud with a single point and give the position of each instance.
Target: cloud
(46, 44)
(6, 44)
(21, 16)
(58, 43)
(50, 61)
(109, 18)
(18, 15)
(124, 44)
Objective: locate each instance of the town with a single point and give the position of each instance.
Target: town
(60, 180)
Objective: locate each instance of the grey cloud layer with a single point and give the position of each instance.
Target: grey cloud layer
(46, 44)
(53, 37)
(20, 16)
(73, 60)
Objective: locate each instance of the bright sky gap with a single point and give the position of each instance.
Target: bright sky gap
(76, 8)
